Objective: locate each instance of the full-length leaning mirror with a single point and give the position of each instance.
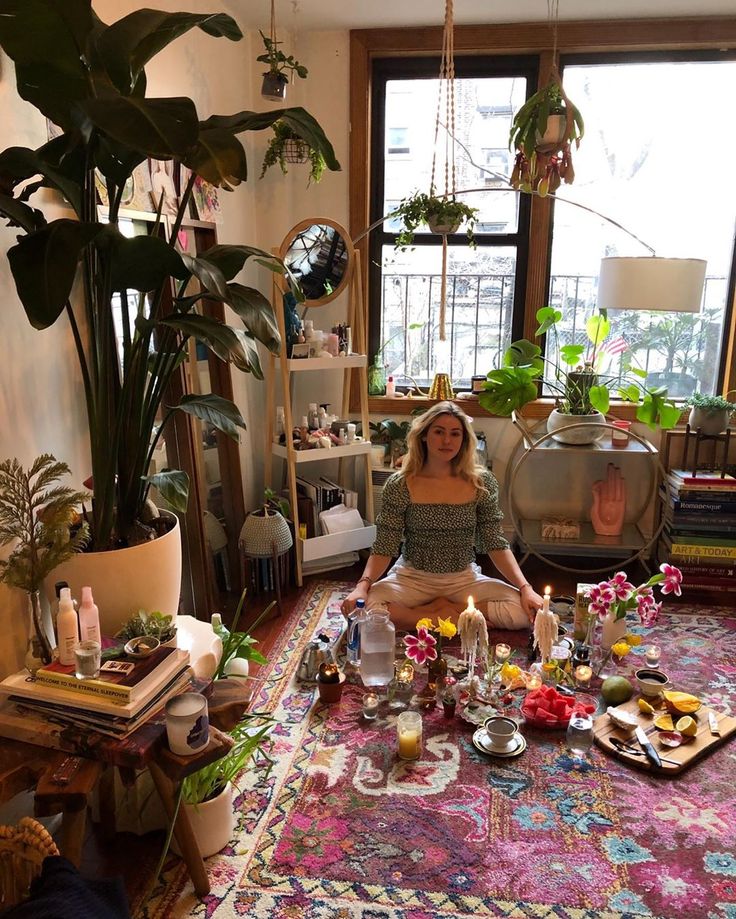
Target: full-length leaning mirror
(319, 254)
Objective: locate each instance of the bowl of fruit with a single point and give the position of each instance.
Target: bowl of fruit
(547, 707)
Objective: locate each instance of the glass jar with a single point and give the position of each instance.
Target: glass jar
(409, 735)
(377, 648)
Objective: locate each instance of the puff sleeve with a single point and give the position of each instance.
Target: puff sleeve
(390, 522)
(488, 531)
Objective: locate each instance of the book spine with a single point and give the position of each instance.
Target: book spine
(701, 520)
(690, 505)
(721, 586)
(698, 572)
(703, 551)
(64, 681)
(699, 562)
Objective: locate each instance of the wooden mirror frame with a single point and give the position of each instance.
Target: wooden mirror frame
(299, 228)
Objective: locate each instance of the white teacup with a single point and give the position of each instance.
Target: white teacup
(501, 731)
(652, 682)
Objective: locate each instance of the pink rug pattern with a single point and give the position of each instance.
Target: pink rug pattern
(340, 828)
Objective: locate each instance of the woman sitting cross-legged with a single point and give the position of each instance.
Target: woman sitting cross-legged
(436, 513)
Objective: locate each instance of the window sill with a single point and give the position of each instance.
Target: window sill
(385, 406)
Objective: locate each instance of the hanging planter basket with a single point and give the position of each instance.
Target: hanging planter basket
(296, 151)
(443, 228)
(274, 86)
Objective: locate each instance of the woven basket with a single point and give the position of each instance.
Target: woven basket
(296, 151)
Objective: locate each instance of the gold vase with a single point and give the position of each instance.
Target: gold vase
(441, 387)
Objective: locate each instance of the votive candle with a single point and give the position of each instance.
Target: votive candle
(370, 705)
(583, 675)
(534, 682)
(503, 652)
(652, 654)
(409, 731)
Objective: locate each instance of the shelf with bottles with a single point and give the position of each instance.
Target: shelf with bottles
(357, 448)
(300, 364)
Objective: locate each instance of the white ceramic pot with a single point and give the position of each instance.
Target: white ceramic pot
(124, 581)
(213, 822)
(709, 422)
(445, 228)
(612, 630)
(553, 135)
(558, 422)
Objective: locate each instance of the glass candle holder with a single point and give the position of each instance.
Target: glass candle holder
(370, 706)
(409, 735)
(583, 676)
(187, 724)
(620, 433)
(87, 660)
(652, 654)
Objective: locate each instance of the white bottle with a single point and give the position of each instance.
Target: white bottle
(89, 617)
(390, 387)
(67, 628)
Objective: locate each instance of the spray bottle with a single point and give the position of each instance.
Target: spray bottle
(89, 617)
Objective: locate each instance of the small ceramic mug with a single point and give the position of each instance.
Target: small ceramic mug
(652, 682)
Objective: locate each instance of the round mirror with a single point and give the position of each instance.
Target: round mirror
(319, 254)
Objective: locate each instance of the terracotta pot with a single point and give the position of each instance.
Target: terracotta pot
(124, 581)
(558, 421)
(330, 692)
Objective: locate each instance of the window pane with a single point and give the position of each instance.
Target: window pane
(480, 292)
(646, 162)
(484, 108)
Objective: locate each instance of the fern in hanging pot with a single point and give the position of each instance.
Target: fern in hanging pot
(542, 133)
(442, 214)
(287, 147)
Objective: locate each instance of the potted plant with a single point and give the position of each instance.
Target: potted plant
(156, 624)
(709, 414)
(393, 433)
(279, 66)
(286, 146)
(578, 380)
(441, 214)
(541, 134)
(109, 126)
(36, 514)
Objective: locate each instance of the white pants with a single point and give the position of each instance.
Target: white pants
(412, 587)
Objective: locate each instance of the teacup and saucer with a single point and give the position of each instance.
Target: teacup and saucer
(499, 736)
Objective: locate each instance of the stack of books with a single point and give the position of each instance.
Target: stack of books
(699, 534)
(115, 703)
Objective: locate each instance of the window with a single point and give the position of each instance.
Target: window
(482, 282)
(397, 141)
(643, 163)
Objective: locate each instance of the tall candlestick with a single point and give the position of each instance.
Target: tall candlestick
(545, 604)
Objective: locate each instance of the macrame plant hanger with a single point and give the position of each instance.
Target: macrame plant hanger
(441, 384)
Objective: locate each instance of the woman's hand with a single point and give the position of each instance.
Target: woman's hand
(359, 592)
(530, 601)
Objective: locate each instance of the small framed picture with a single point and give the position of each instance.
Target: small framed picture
(301, 349)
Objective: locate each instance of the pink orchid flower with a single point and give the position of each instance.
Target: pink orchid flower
(621, 586)
(650, 614)
(672, 579)
(599, 609)
(601, 593)
(421, 647)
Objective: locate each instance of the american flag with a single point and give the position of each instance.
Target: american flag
(615, 346)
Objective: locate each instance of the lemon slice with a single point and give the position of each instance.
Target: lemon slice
(687, 726)
(645, 707)
(664, 723)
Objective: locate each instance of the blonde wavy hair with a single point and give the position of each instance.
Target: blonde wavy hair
(463, 464)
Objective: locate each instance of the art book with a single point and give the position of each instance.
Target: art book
(22, 685)
(125, 679)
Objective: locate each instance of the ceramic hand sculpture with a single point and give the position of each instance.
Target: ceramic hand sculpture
(609, 503)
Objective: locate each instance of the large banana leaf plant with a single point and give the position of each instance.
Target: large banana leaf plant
(89, 78)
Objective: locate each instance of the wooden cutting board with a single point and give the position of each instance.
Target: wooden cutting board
(682, 757)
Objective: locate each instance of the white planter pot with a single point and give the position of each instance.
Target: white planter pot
(558, 422)
(613, 630)
(213, 822)
(123, 581)
(554, 134)
(443, 228)
(708, 422)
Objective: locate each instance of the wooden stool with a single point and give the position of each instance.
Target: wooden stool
(64, 788)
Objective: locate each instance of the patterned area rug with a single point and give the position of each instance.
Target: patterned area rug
(342, 829)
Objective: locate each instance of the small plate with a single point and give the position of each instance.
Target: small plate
(141, 646)
(482, 743)
(478, 713)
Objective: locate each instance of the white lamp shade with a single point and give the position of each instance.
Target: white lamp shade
(651, 283)
(260, 533)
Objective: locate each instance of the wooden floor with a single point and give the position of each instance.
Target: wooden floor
(126, 854)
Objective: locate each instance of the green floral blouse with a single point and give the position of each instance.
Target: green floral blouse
(438, 538)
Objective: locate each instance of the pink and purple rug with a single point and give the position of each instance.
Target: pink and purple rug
(340, 829)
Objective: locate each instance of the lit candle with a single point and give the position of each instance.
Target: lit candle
(652, 655)
(409, 730)
(534, 682)
(583, 675)
(370, 706)
(545, 604)
(405, 673)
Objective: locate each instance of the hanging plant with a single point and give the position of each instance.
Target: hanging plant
(441, 214)
(280, 67)
(287, 147)
(542, 133)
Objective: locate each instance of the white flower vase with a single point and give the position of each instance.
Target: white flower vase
(612, 630)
